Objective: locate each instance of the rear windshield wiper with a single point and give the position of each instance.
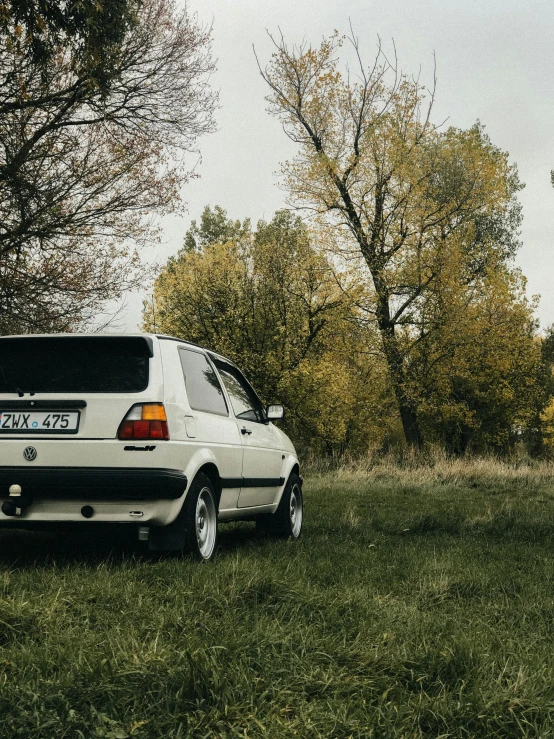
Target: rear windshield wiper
(11, 387)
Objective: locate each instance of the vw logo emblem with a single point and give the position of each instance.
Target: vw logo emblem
(30, 453)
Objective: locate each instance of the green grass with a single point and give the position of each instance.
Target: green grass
(419, 603)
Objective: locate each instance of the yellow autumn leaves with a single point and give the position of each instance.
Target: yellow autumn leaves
(303, 331)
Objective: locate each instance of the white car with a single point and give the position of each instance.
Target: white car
(142, 429)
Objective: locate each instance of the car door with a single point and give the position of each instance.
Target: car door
(208, 424)
(262, 459)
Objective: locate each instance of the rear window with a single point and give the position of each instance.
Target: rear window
(203, 389)
(74, 364)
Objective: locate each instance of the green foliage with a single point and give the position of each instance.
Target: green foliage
(214, 228)
(479, 374)
(409, 200)
(474, 366)
(270, 301)
(539, 434)
(93, 31)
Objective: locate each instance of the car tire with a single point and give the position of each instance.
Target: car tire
(200, 519)
(287, 520)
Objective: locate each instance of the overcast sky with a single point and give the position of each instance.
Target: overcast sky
(495, 63)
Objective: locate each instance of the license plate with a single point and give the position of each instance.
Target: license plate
(39, 422)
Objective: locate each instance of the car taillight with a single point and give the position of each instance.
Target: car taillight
(147, 421)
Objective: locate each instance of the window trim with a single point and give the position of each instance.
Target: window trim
(109, 338)
(222, 387)
(232, 368)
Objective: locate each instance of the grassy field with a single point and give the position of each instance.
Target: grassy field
(419, 603)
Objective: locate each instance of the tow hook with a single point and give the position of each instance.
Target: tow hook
(16, 503)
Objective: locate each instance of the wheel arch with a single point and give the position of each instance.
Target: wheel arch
(288, 470)
(212, 473)
(171, 537)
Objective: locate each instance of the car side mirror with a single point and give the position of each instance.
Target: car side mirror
(274, 412)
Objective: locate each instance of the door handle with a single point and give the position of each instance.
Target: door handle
(244, 430)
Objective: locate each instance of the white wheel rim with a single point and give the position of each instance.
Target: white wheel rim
(295, 511)
(206, 523)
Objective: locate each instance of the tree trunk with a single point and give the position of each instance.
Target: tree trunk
(395, 363)
(408, 413)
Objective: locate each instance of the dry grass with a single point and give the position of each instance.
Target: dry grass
(434, 466)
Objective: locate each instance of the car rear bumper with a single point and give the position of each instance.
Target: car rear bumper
(94, 483)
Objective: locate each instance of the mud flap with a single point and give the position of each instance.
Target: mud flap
(170, 538)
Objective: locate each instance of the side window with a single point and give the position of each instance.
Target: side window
(245, 402)
(203, 389)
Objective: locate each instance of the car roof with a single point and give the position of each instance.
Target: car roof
(211, 352)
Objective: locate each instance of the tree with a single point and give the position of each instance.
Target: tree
(397, 193)
(539, 433)
(479, 374)
(50, 292)
(271, 302)
(94, 30)
(215, 228)
(99, 105)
